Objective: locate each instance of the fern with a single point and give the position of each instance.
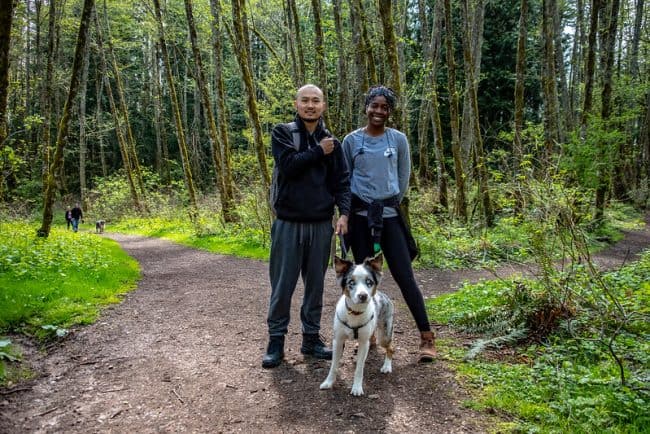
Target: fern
(512, 338)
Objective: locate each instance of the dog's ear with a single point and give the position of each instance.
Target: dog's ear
(376, 262)
(341, 266)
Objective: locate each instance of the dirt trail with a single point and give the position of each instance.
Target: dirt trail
(183, 353)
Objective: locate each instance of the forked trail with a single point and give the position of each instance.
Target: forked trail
(183, 353)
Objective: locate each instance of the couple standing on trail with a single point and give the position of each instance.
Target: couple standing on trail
(366, 177)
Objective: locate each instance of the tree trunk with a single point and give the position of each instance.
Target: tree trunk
(99, 86)
(215, 138)
(83, 146)
(473, 26)
(47, 94)
(549, 82)
(64, 124)
(342, 109)
(575, 78)
(590, 64)
(607, 63)
(319, 51)
(296, 31)
(121, 140)
(461, 201)
(390, 44)
(435, 42)
(519, 84)
(242, 41)
(6, 17)
(178, 121)
(361, 71)
(220, 97)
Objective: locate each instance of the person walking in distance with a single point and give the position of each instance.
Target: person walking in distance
(380, 166)
(76, 215)
(312, 178)
(68, 216)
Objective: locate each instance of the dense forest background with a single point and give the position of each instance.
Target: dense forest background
(495, 96)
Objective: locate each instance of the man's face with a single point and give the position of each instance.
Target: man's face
(310, 104)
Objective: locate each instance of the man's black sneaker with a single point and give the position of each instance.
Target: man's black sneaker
(274, 352)
(313, 345)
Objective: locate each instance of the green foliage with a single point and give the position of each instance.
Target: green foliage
(49, 284)
(590, 373)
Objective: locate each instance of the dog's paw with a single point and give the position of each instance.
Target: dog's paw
(387, 367)
(326, 385)
(357, 390)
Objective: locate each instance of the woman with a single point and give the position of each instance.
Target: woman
(380, 166)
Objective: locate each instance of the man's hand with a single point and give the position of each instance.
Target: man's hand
(327, 144)
(342, 225)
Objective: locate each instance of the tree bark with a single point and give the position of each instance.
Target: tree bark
(242, 41)
(342, 110)
(549, 82)
(319, 51)
(64, 124)
(461, 201)
(519, 84)
(607, 63)
(215, 138)
(473, 26)
(6, 18)
(220, 96)
(178, 121)
(121, 140)
(83, 146)
(590, 64)
(296, 31)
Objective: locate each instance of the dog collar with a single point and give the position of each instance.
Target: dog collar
(350, 311)
(355, 330)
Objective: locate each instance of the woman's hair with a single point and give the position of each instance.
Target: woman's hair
(384, 91)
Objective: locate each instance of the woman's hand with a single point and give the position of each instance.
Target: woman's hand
(342, 225)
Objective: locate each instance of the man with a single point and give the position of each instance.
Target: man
(311, 180)
(76, 215)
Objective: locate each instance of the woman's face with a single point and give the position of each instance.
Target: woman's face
(378, 111)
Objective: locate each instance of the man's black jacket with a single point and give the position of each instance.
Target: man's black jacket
(309, 182)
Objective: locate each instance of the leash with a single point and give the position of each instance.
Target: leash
(344, 248)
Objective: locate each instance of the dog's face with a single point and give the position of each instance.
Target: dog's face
(359, 282)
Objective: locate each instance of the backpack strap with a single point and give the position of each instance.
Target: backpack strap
(295, 132)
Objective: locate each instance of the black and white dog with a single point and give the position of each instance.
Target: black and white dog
(361, 312)
(99, 226)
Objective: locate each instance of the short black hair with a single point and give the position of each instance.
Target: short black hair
(384, 91)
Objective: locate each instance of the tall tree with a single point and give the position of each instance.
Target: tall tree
(390, 44)
(610, 27)
(519, 82)
(220, 94)
(241, 40)
(319, 51)
(549, 81)
(117, 121)
(342, 109)
(215, 138)
(178, 121)
(473, 25)
(83, 146)
(459, 173)
(6, 17)
(590, 63)
(64, 124)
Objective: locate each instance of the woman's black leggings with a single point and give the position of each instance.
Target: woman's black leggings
(395, 250)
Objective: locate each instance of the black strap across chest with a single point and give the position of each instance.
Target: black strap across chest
(355, 330)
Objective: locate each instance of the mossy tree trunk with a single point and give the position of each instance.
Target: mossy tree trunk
(64, 125)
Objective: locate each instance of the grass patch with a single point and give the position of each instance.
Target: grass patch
(568, 382)
(48, 285)
(211, 236)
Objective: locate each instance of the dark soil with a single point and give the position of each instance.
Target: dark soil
(183, 353)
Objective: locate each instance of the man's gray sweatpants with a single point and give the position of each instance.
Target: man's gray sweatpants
(297, 249)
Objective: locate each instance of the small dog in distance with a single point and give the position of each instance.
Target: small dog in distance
(99, 226)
